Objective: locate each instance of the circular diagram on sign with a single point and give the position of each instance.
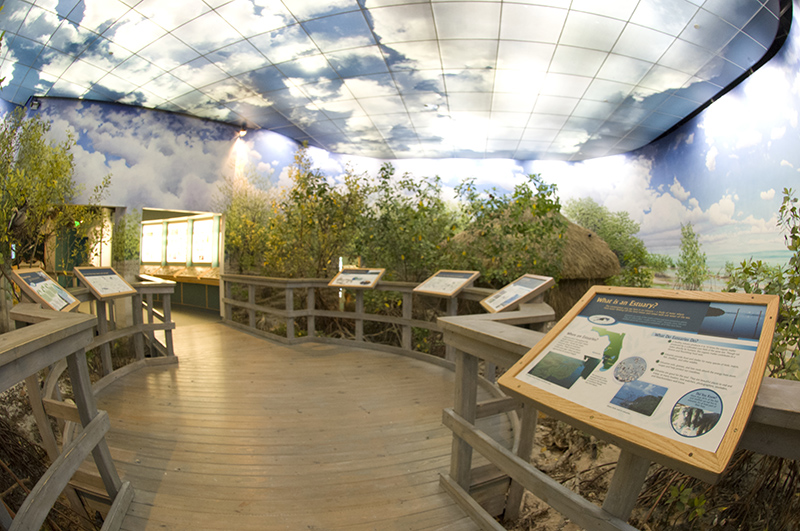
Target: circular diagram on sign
(630, 369)
(696, 413)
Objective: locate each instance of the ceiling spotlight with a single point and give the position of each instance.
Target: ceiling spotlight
(35, 103)
(242, 132)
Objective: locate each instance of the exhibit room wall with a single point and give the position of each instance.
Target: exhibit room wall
(724, 171)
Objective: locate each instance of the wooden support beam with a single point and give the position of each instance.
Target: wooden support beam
(311, 305)
(478, 514)
(84, 400)
(497, 406)
(37, 505)
(359, 315)
(516, 491)
(465, 405)
(102, 329)
(61, 410)
(578, 509)
(138, 339)
(626, 484)
(116, 514)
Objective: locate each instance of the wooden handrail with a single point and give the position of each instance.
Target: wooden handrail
(51, 337)
(289, 314)
(101, 329)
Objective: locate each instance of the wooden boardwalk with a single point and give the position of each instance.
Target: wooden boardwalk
(248, 434)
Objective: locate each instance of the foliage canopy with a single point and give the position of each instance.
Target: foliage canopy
(754, 276)
(619, 231)
(692, 268)
(508, 235)
(36, 190)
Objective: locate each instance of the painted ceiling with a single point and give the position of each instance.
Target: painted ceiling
(394, 79)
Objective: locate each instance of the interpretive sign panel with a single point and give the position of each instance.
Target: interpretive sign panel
(357, 278)
(447, 283)
(673, 374)
(38, 285)
(523, 289)
(104, 282)
(152, 243)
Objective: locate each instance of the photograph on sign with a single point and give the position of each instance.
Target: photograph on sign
(357, 278)
(679, 369)
(522, 290)
(104, 282)
(447, 283)
(38, 285)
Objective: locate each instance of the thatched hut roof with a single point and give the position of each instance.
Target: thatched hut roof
(586, 255)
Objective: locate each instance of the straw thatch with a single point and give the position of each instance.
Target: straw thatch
(587, 260)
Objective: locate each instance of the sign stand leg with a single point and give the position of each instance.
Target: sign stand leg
(626, 484)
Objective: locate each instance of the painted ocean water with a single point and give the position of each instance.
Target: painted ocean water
(716, 262)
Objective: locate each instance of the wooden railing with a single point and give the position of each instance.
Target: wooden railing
(108, 322)
(773, 428)
(53, 338)
(240, 296)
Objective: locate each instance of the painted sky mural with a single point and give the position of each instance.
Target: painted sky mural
(724, 172)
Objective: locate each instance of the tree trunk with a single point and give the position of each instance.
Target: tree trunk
(5, 306)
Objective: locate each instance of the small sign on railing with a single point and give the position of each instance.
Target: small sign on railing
(447, 283)
(352, 277)
(668, 375)
(39, 287)
(522, 290)
(104, 282)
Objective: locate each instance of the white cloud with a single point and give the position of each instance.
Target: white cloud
(679, 191)
(748, 138)
(769, 194)
(778, 133)
(153, 162)
(711, 158)
(721, 212)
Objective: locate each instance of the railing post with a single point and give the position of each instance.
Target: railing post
(465, 404)
(138, 337)
(311, 306)
(407, 338)
(167, 298)
(5, 517)
(251, 299)
(530, 417)
(87, 409)
(289, 308)
(359, 315)
(227, 310)
(102, 329)
(452, 309)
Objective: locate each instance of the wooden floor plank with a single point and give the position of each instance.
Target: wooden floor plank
(247, 434)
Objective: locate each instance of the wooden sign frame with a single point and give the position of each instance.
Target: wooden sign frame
(444, 282)
(696, 374)
(39, 287)
(517, 292)
(104, 282)
(357, 278)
